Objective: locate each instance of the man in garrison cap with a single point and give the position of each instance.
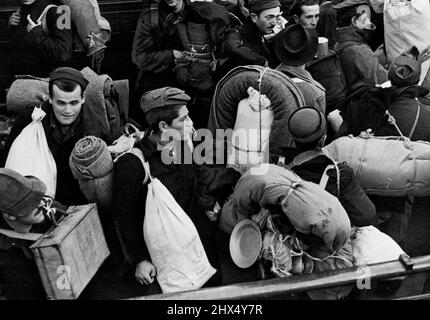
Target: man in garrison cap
(166, 146)
(63, 127)
(308, 127)
(20, 213)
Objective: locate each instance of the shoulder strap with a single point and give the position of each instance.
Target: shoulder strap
(21, 236)
(138, 153)
(304, 157)
(154, 15)
(324, 177)
(414, 126)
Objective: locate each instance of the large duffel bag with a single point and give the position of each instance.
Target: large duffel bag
(407, 24)
(385, 166)
(309, 208)
(284, 95)
(93, 29)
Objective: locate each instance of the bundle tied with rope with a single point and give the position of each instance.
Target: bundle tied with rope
(279, 89)
(92, 165)
(249, 145)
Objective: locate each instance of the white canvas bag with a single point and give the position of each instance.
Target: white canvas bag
(29, 154)
(173, 241)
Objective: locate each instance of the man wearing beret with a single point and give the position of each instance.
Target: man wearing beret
(166, 112)
(308, 128)
(20, 200)
(63, 125)
(248, 44)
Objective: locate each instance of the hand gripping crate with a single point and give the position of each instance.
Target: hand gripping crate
(69, 255)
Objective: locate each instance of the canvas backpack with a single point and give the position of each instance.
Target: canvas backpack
(328, 71)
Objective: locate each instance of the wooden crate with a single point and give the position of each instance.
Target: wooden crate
(69, 255)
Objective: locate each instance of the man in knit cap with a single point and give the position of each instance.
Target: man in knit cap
(252, 43)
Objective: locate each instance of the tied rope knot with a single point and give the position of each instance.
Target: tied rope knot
(49, 211)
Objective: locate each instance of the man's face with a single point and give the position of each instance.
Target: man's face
(27, 2)
(66, 105)
(267, 20)
(35, 217)
(310, 16)
(182, 125)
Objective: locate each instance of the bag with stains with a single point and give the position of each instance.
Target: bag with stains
(385, 166)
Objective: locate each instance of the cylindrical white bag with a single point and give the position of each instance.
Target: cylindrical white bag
(29, 154)
(173, 243)
(407, 24)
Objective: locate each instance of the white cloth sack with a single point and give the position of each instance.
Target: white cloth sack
(29, 154)
(371, 246)
(407, 24)
(173, 242)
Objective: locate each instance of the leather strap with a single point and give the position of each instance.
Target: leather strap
(21, 236)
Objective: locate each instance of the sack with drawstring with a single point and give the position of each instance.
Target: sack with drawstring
(324, 260)
(29, 154)
(173, 242)
(371, 246)
(407, 24)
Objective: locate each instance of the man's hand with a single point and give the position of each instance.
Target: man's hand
(214, 213)
(15, 18)
(145, 272)
(178, 54)
(31, 24)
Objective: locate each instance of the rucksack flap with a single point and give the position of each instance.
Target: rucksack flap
(328, 71)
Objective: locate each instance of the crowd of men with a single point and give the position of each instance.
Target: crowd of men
(170, 95)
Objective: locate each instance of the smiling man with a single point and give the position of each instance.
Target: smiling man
(63, 127)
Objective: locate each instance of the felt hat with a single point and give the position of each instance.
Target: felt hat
(245, 243)
(307, 125)
(19, 195)
(296, 45)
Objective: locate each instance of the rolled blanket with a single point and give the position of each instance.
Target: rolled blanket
(25, 92)
(92, 165)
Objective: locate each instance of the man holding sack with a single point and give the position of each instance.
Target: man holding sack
(63, 126)
(167, 114)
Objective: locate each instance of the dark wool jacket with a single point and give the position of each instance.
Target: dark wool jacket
(192, 186)
(246, 45)
(368, 112)
(39, 53)
(19, 277)
(61, 146)
(155, 39)
(358, 60)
